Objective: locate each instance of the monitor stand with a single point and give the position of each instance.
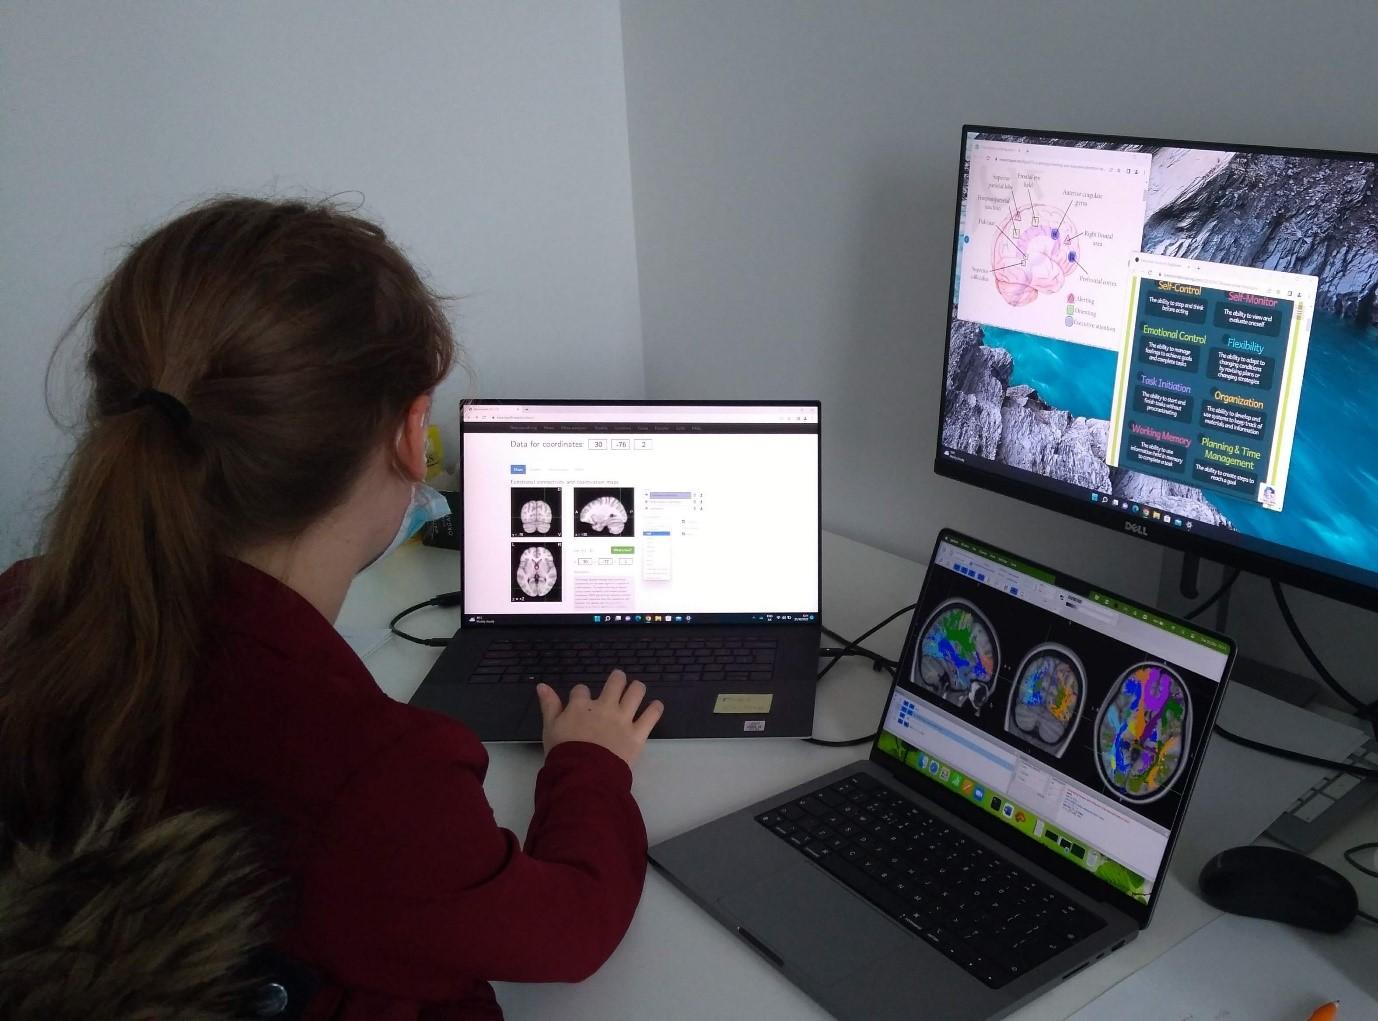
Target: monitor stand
(1290, 687)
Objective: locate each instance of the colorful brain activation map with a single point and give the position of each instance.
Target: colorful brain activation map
(958, 655)
(1209, 377)
(1142, 733)
(1046, 698)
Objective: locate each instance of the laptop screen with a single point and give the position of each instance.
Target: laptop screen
(640, 513)
(1068, 715)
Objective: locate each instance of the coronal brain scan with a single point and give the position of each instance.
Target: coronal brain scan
(537, 573)
(1142, 732)
(604, 513)
(536, 516)
(958, 655)
(1046, 698)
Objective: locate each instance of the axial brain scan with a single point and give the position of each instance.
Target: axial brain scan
(958, 656)
(1046, 698)
(536, 516)
(1142, 732)
(536, 573)
(605, 512)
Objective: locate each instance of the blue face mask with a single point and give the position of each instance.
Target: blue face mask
(426, 505)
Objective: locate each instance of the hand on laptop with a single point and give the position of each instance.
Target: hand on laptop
(609, 720)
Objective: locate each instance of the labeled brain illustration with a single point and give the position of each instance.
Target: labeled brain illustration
(536, 572)
(1142, 732)
(1034, 251)
(1046, 698)
(605, 512)
(536, 516)
(958, 655)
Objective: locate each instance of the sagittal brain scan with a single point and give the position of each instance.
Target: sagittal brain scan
(1046, 698)
(535, 572)
(958, 655)
(1142, 732)
(603, 512)
(536, 516)
(536, 510)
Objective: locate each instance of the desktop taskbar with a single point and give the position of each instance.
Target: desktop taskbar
(637, 619)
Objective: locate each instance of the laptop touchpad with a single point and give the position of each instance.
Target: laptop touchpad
(812, 922)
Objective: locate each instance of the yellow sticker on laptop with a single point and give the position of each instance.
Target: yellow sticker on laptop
(743, 703)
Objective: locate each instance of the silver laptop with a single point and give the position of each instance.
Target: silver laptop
(677, 540)
(1014, 821)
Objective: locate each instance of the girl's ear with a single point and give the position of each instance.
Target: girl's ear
(411, 441)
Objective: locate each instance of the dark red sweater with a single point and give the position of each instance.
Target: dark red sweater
(411, 897)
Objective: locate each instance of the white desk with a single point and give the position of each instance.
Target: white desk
(676, 962)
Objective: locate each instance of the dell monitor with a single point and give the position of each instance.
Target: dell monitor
(1178, 340)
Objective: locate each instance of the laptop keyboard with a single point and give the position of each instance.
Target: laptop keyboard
(662, 660)
(991, 918)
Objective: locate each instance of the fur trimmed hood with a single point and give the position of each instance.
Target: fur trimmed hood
(134, 924)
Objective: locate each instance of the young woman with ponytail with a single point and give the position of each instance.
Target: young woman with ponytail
(260, 380)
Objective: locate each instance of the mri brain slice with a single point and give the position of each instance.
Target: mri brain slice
(604, 512)
(1046, 699)
(1142, 733)
(958, 655)
(536, 571)
(536, 516)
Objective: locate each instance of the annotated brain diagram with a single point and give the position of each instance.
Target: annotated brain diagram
(1034, 251)
(1046, 698)
(605, 512)
(958, 655)
(1142, 732)
(536, 516)
(536, 571)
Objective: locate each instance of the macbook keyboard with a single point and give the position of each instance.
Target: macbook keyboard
(663, 660)
(991, 918)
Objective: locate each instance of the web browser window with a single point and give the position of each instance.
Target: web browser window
(1073, 718)
(640, 513)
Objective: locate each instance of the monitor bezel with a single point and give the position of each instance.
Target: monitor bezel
(1336, 586)
(1078, 877)
(816, 404)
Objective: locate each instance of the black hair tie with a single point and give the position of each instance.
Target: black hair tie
(168, 406)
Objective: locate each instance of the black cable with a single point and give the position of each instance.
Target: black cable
(444, 599)
(1214, 597)
(851, 649)
(851, 742)
(1310, 654)
(1286, 753)
(877, 661)
(1349, 858)
(856, 644)
(876, 657)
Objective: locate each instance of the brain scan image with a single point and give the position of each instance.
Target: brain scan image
(1046, 698)
(537, 572)
(536, 510)
(1142, 732)
(536, 516)
(958, 655)
(604, 512)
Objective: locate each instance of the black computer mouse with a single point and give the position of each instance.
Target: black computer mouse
(1280, 885)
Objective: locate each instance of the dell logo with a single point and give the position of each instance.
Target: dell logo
(1136, 528)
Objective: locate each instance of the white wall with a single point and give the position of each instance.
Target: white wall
(489, 137)
(794, 176)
